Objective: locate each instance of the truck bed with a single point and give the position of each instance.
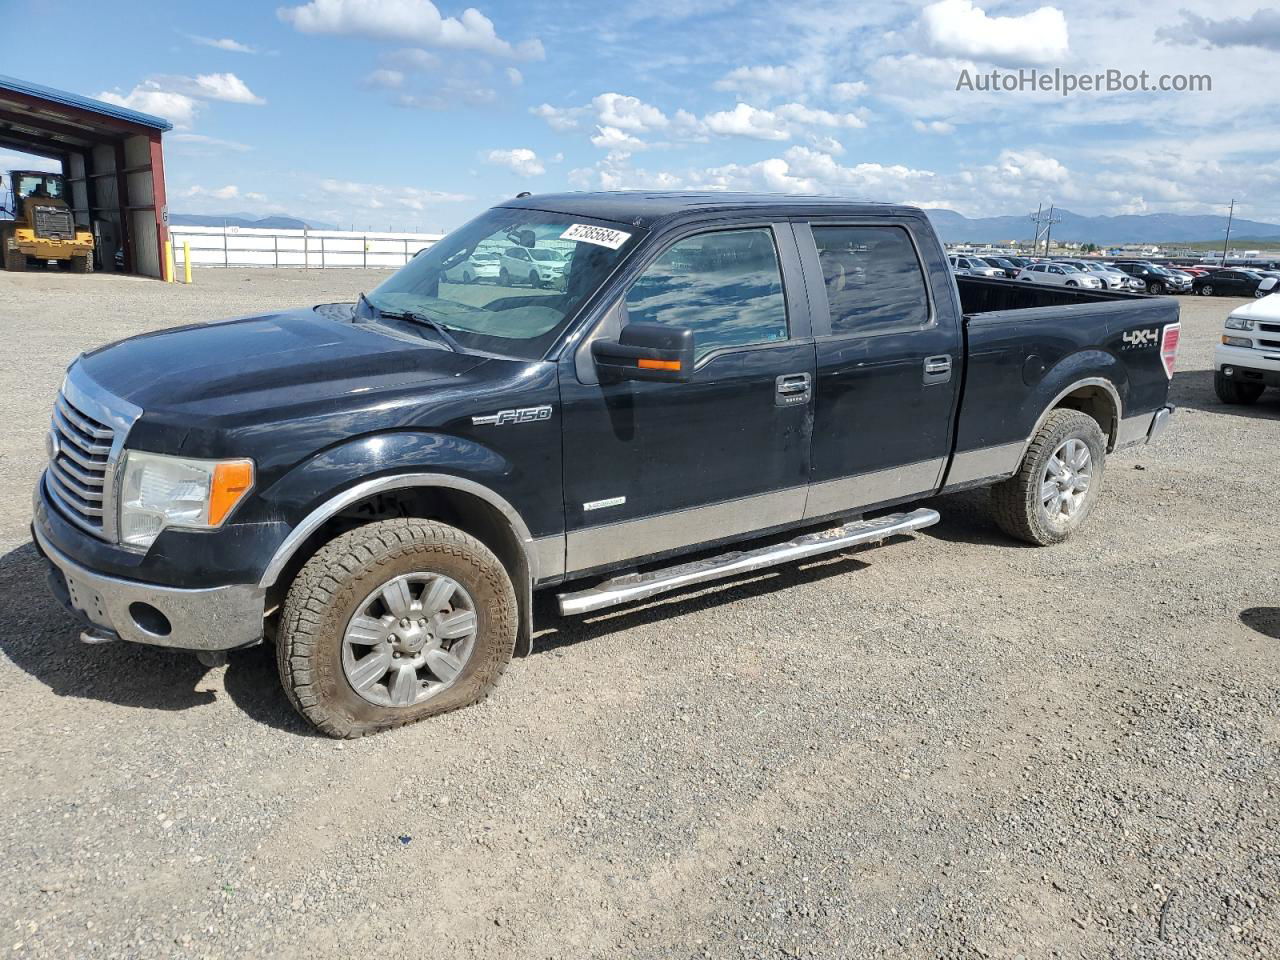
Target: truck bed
(1024, 342)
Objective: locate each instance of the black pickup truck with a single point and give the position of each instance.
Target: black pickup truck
(717, 383)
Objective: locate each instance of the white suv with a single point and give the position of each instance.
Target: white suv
(535, 266)
(1059, 273)
(1247, 359)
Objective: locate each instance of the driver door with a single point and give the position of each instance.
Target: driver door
(657, 467)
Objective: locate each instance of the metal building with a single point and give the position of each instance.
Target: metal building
(112, 159)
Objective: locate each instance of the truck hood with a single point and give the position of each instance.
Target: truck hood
(1266, 309)
(237, 366)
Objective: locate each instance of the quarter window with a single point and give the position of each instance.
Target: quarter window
(873, 278)
(725, 286)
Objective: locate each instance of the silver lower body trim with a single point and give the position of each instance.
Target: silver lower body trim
(219, 618)
(864, 489)
(986, 463)
(644, 585)
(1142, 428)
(630, 539)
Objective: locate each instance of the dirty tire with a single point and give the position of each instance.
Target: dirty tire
(14, 260)
(82, 264)
(1016, 501)
(341, 575)
(1233, 391)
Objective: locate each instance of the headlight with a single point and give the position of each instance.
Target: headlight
(158, 491)
(1237, 342)
(1238, 323)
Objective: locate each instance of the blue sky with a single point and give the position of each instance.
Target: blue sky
(408, 114)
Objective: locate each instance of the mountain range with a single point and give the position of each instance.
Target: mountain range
(952, 226)
(1104, 231)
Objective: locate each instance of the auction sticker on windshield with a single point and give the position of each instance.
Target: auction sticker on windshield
(600, 236)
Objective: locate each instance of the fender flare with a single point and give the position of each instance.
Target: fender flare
(1116, 403)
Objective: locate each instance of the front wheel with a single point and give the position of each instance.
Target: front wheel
(1235, 392)
(1072, 283)
(1155, 288)
(1054, 490)
(82, 264)
(394, 622)
(14, 259)
(534, 281)
(504, 277)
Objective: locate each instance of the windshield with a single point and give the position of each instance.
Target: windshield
(520, 312)
(39, 186)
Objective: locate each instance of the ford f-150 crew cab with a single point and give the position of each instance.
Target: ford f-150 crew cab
(719, 383)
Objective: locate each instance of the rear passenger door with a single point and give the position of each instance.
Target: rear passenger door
(889, 360)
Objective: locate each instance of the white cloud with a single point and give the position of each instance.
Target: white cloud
(628, 113)
(412, 58)
(559, 118)
(745, 120)
(224, 43)
(378, 195)
(1031, 165)
(519, 160)
(385, 79)
(958, 28)
(617, 141)
(848, 90)
(933, 126)
(229, 192)
(826, 144)
(780, 123)
(202, 140)
(514, 77)
(416, 20)
(763, 80)
(148, 97)
(219, 86)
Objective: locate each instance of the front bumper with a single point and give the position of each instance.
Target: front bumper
(1248, 365)
(218, 618)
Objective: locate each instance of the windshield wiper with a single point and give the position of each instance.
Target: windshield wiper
(430, 323)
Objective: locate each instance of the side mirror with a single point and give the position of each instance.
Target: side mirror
(646, 351)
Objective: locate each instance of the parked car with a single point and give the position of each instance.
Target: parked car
(1059, 273)
(1270, 283)
(378, 493)
(538, 267)
(1228, 283)
(479, 266)
(973, 267)
(1003, 264)
(1018, 262)
(1155, 280)
(1247, 358)
(1112, 279)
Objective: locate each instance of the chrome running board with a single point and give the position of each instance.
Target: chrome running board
(640, 586)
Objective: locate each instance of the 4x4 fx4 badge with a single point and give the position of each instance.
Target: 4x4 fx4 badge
(521, 415)
(1142, 338)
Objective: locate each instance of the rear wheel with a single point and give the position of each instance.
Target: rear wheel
(1235, 392)
(1054, 490)
(394, 622)
(82, 264)
(1206, 290)
(14, 259)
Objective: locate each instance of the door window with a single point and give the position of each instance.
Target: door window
(873, 278)
(726, 287)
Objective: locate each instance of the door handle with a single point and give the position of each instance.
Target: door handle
(937, 369)
(792, 388)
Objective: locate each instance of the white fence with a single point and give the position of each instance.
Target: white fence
(318, 249)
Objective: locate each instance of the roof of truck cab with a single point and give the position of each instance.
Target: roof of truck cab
(646, 208)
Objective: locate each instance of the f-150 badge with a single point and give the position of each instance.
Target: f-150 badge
(1142, 338)
(520, 415)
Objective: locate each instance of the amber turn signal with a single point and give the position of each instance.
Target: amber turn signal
(231, 481)
(658, 364)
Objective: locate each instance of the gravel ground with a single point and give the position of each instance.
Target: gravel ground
(953, 746)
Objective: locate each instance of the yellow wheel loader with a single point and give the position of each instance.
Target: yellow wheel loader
(43, 228)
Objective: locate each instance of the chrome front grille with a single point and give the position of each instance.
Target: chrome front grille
(85, 442)
(79, 461)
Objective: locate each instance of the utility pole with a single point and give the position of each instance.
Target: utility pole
(1041, 219)
(1227, 242)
